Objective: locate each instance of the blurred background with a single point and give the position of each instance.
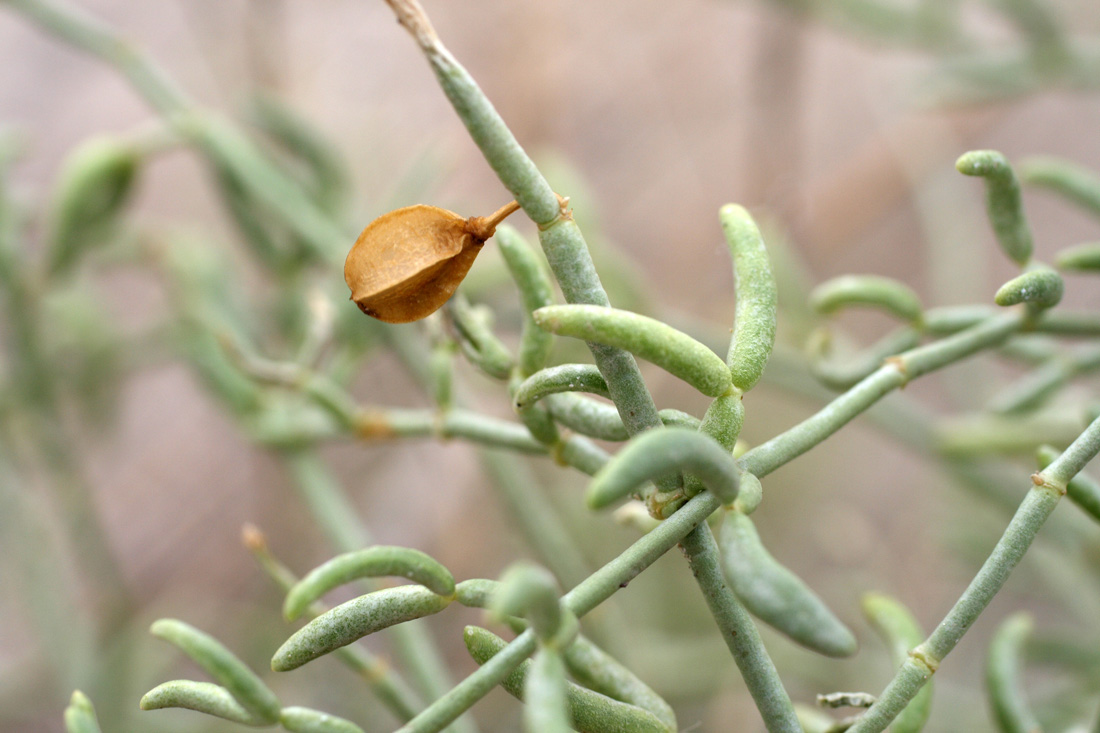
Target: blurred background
(837, 124)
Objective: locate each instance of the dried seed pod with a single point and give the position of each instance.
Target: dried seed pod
(407, 263)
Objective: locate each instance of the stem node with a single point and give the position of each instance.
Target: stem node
(924, 659)
(1042, 481)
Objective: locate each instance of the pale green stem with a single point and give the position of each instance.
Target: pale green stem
(1068, 323)
(986, 433)
(374, 423)
(804, 436)
(900, 418)
(740, 634)
(326, 501)
(1032, 390)
(33, 377)
(63, 635)
(90, 35)
(561, 239)
(223, 144)
(1049, 486)
(896, 372)
(760, 461)
(371, 423)
(1060, 322)
(538, 519)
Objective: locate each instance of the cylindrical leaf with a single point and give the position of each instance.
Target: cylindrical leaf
(80, 715)
(1002, 201)
(602, 673)
(304, 720)
(844, 376)
(441, 372)
(371, 562)
(1003, 676)
(872, 291)
(545, 695)
(476, 592)
(530, 591)
(95, 185)
(750, 494)
(477, 340)
(535, 290)
(540, 423)
(754, 324)
(777, 596)
(897, 627)
(355, 619)
(601, 420)
(1041, 287)
(202, 697)
(647, 338)
(563, 378)
(1081, 258)
(591, 712)
(678, 419)
(722, 422)
(661, 452)
(1078, 184)
(587, 416)
(230, 672)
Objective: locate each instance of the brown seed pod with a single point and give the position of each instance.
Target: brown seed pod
(407, 263)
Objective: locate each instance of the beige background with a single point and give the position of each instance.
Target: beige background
(665, 111)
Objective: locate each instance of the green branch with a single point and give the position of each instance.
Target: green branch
(1049, 485)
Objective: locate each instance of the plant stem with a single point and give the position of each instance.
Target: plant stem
(1069, 323)
(224, 146)
(787, 446)
(561, 239)
(895, 373)
(1032, 390)
(1049, 486)
(34, 379)
(760, 461)
(64, 635)
(593, 591)
(740, 634)
(479, 684)
(89, 34)
(538, 519)
(325, 500)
